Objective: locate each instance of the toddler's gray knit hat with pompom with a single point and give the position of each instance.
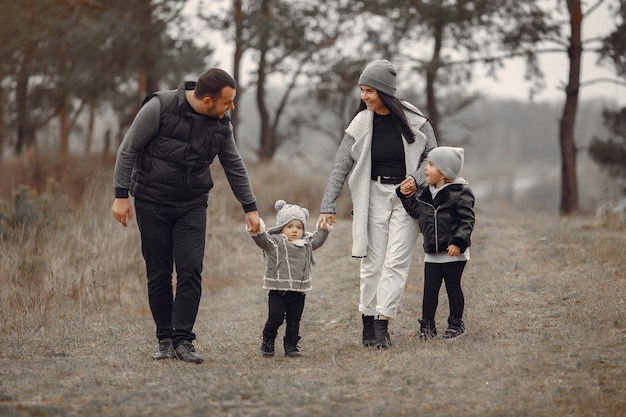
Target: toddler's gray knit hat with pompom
(287, 213)
(448, 160)
(381, 75)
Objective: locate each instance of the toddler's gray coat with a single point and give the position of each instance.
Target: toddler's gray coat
(288, 264)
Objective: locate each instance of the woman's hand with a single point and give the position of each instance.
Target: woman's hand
(408, 186)
(325, 220)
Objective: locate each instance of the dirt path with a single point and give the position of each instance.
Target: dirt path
(546, 333)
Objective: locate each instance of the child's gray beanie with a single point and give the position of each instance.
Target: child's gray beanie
(448, 160)
(287, 213)
(380, 75)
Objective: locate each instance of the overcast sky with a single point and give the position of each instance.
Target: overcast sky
(510, 83)
(555, 67)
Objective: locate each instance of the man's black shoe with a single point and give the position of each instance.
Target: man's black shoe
(187, 353)
(165, 351)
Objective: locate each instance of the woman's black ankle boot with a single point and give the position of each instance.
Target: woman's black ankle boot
(369, 335)
(383, 340)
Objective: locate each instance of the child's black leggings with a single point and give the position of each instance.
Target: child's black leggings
(450, 273)
(284, 306)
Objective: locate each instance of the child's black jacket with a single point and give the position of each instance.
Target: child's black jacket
(446, 220)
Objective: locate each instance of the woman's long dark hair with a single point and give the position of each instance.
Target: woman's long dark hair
(396, 108)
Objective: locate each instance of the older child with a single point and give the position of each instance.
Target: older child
(288, 255)
(444, 208)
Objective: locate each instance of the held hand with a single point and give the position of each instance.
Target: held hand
(325, 220)
(253, 222)
(408, 186)
(122, 210)
(323, 226)
(453, 250)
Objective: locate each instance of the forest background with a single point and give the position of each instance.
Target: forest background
(74, 74)
(545, 290)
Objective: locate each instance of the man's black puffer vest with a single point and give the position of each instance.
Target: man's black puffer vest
(173, 169)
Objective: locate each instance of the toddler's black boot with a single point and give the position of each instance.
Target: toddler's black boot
(381, 330)
(456, 328)
(369, 335)
(267, 347)
(291, 346)
(427, 330)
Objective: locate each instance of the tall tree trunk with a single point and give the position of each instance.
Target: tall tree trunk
(147, 82)
(1, 118)
(90, 127)
(142, 84)
(108, 145)
(64, 131)
(431, 78)
(569, 182)
(266, 145)
(238, 13)
(280, 108)
(25, 129)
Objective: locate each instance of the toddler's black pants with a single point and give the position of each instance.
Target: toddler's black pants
(284, 306)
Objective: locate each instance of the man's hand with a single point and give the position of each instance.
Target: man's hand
(122, 210)
(253, 221)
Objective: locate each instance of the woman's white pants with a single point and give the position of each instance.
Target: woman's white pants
(392, 235)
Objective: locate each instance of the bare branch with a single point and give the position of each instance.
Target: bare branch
(596, 39)
(496, 58)
(594, 8)
(603, 80)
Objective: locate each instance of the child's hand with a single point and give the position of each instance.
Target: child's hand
(453, 250)
(325, 221)
(326, 227)
(408, 187)
(253, 222)
(261, 228)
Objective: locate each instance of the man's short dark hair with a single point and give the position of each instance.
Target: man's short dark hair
(211, 82)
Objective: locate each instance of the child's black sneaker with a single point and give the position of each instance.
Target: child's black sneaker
(267, 347)
(427, 330)
(291, 347)
(456, 328)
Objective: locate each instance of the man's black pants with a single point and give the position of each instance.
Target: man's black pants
(173, 236)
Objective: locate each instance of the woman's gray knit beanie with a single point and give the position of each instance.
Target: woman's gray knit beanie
(448, 160)
(380, 75)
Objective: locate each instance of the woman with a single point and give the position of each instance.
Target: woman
(385, 144)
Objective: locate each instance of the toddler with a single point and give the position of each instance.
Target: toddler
(288, 255)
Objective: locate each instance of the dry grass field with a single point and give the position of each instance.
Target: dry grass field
(545, 312)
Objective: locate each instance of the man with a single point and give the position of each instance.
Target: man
(163, 162)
